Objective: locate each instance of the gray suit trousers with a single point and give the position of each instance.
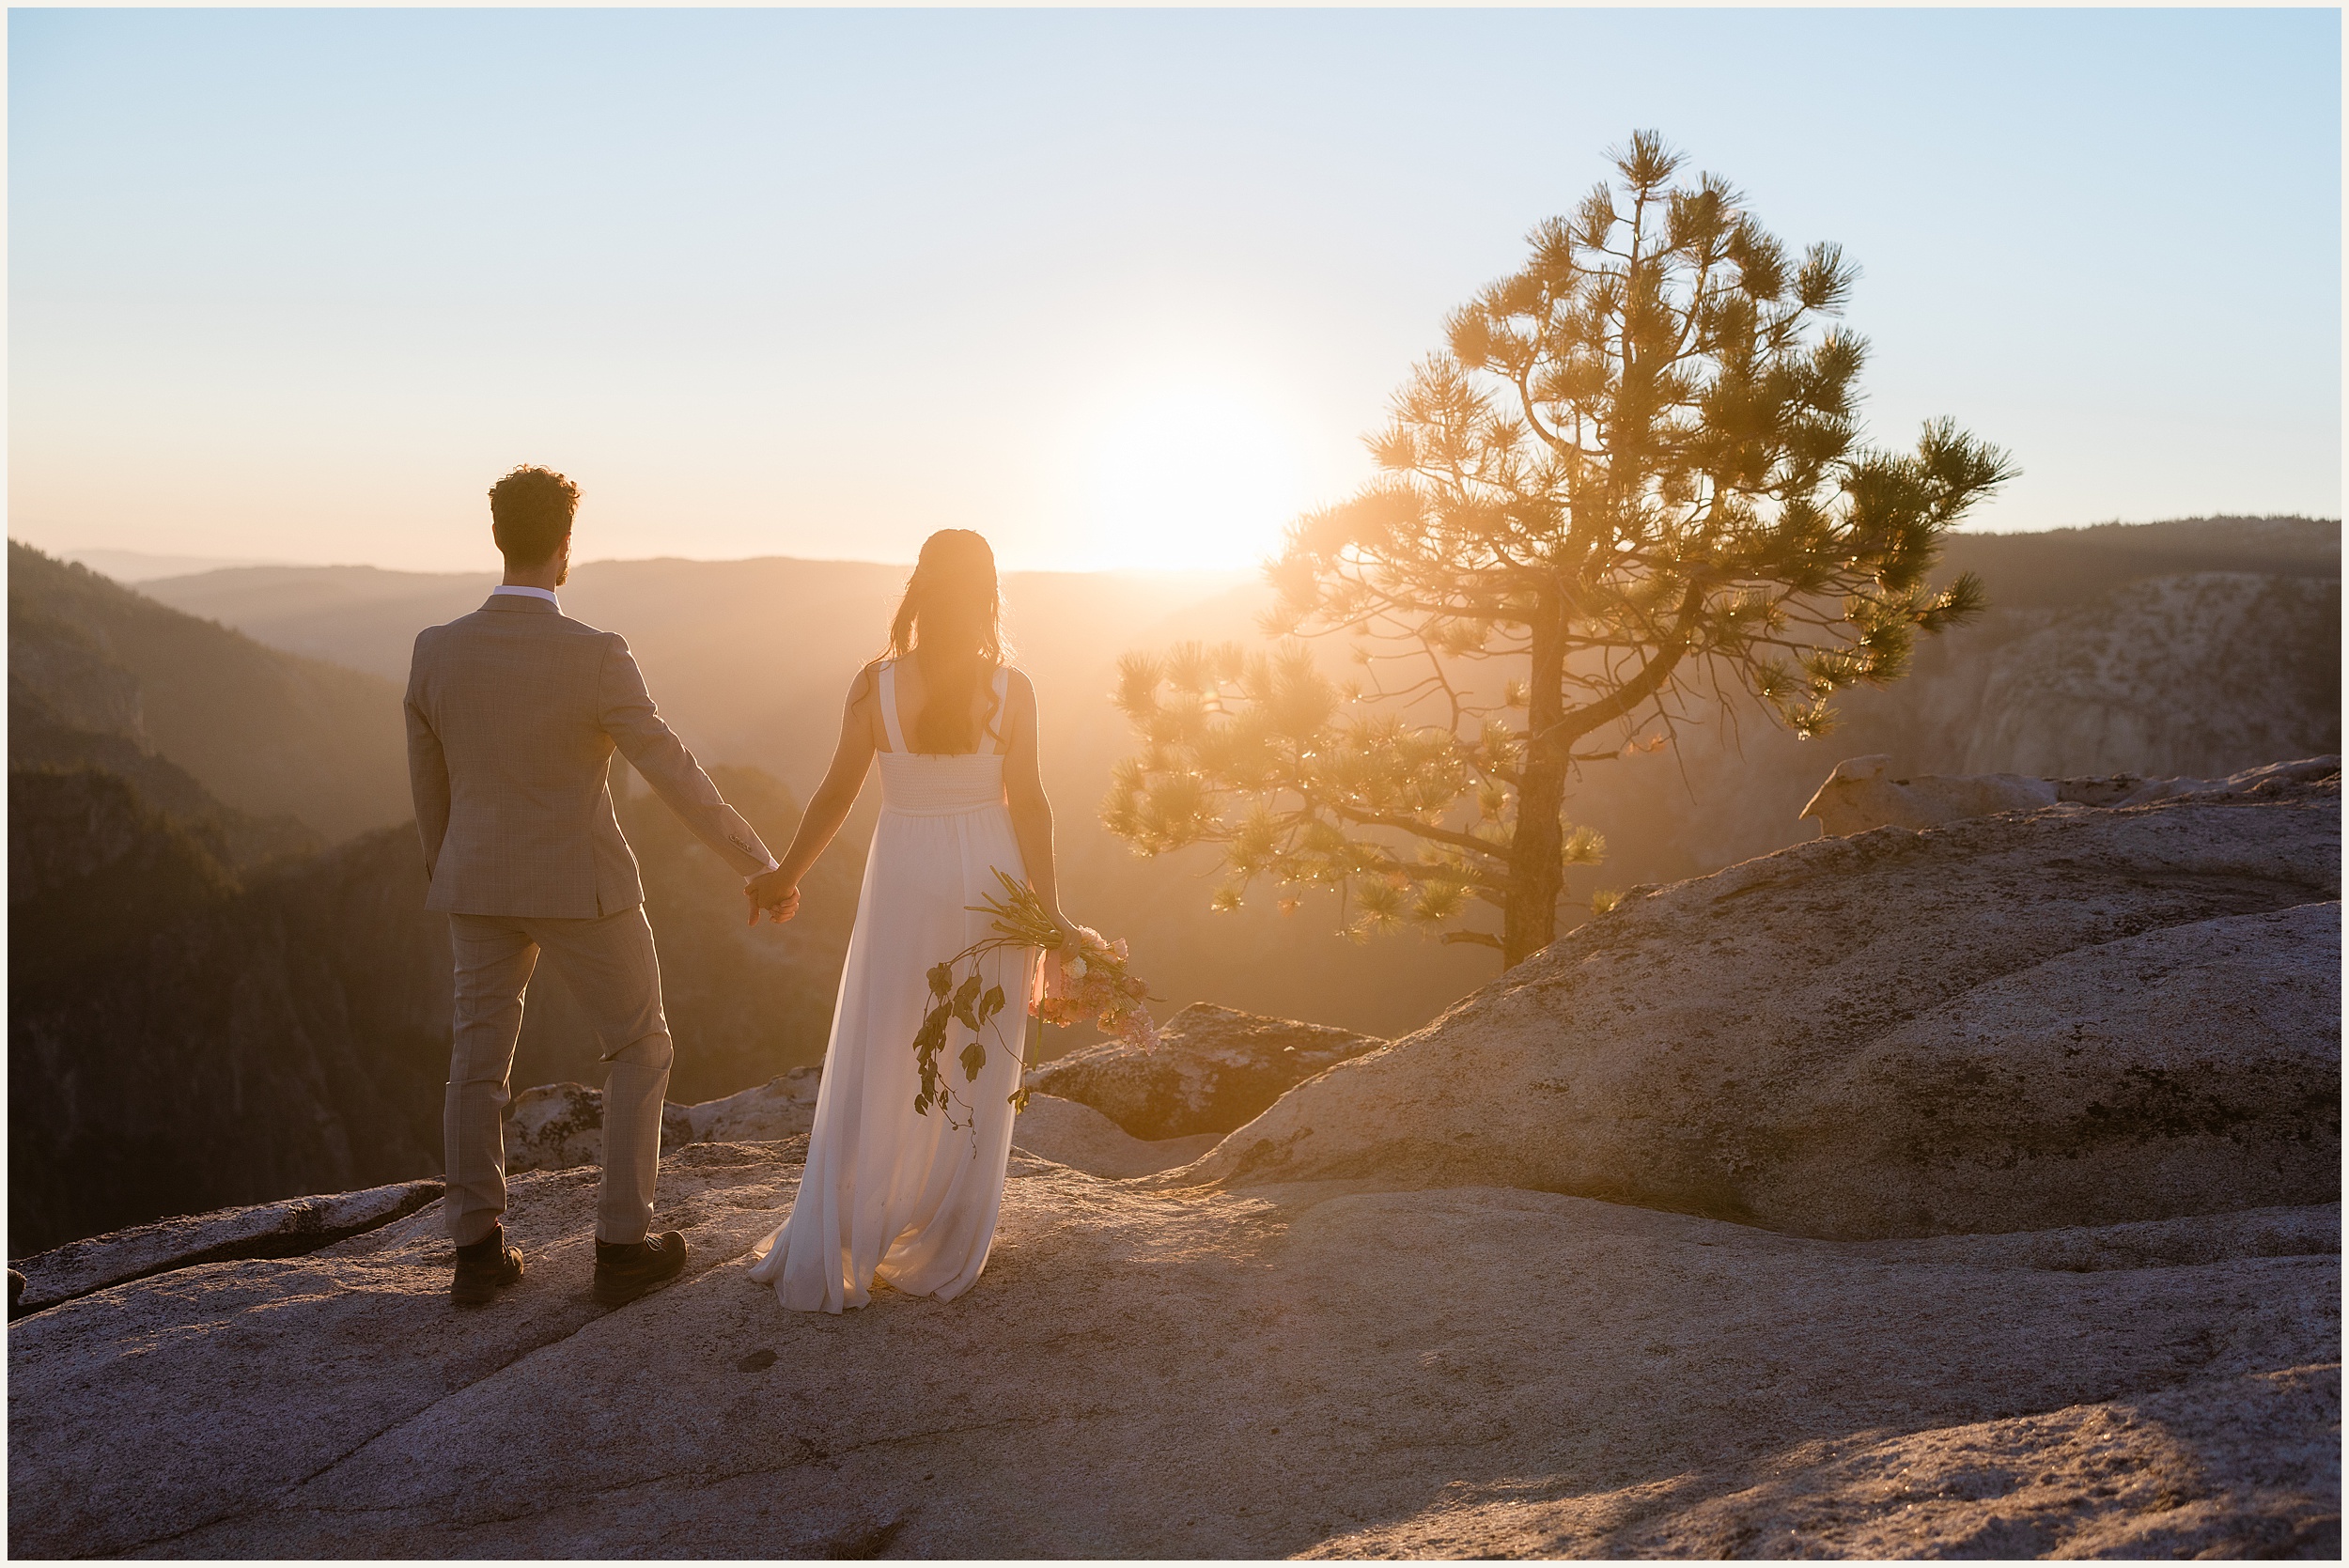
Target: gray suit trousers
(608, 964)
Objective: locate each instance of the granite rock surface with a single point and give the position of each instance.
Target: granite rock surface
(1305, 1369)
(1214, 1070)
(1080, 1137)
(1966, 1192)
(1860, 795)
(2073, 1015)
(286, 1229)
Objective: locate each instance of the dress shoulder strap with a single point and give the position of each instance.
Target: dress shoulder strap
(888, 705)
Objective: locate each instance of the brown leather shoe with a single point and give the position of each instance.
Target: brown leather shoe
(485, 1268)
(626, 1270)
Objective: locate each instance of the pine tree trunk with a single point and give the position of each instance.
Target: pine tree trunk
(1536, 869)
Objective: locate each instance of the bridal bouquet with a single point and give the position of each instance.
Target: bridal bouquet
(1089, 980)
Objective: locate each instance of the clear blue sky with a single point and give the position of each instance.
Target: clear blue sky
(1113, 286)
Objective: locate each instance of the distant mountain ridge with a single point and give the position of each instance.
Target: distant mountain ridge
(366, 617)
(140, 565)
(2064, 566)
(750, 659)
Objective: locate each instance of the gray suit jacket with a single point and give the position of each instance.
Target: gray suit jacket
(513, 714)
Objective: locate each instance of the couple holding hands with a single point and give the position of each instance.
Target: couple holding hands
(514, 712)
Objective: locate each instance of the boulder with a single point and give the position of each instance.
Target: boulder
(1305, 1369)
(2074, 1015)
(1067, 1133)
(2275, 780)
(780, 1107)
(280, 1230)
(556, 1126)
(1214, 1070)
(1858, 797)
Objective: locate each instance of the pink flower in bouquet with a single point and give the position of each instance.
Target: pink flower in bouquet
(1088, 980)
(1078, 978)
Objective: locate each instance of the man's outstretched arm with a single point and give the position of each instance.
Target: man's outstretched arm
(427, 776)
(648, 743)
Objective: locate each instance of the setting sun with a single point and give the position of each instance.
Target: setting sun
(1190, 475)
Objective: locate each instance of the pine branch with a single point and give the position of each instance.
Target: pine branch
(1424, 830)
(1479, 938)
(1628, 696)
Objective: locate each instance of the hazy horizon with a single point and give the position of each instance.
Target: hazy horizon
(1117, 288)
(153, 563)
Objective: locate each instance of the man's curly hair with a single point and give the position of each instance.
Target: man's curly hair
(530, 514)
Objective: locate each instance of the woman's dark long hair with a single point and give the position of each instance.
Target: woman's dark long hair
(950, 623)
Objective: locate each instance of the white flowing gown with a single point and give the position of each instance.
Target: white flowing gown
(888, 1193)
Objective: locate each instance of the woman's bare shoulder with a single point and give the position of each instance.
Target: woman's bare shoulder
(865, 682)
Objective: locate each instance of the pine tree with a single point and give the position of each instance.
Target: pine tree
(1635, 481)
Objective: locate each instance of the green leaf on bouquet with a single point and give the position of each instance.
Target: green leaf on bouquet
(973, 1058)
(941, 978)
(990, 1003)
(965, 994)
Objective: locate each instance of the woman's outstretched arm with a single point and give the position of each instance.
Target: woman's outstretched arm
(1031, 811)
(826, 809)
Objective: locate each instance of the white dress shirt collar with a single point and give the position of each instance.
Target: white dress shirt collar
(547, 594)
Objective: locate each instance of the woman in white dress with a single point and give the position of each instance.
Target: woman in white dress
(889, 1193)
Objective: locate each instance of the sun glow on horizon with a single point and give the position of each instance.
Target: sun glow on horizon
(1189, 474)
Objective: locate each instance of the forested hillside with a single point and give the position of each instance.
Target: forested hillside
(178, 1041)
(266, 731)
(183, 1037)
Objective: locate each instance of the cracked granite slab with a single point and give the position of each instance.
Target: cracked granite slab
(1309, 1368)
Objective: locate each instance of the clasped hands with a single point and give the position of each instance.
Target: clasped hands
(770, 895)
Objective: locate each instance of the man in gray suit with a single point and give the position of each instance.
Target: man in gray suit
(513, 714)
